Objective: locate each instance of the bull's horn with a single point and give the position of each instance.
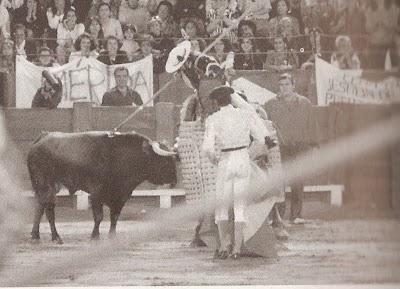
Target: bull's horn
(160, 151)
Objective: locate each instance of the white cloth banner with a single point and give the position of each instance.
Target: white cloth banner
(83, 79)
(349, 86)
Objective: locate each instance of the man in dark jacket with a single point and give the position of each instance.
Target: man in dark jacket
(121, 94)
(49, 95)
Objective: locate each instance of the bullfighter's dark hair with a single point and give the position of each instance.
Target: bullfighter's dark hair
(77, 44)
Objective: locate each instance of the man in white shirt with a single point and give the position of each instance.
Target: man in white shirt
(230, 129)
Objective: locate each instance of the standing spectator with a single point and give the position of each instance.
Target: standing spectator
(55, 14)
(22, 46)
(161, 45)
(280, 59)
(96, 32)
(31, 16)
(292, 115)
(69, 30)
(110, 26)
(45, 58)
(129, 45)
(131, 13)
(121, 94)
(84, 47)
(113, 55)
(221, 14)
(382, 20)
(48, 96)
(169, 27)
(344, 57)
(247, 59)
(281, 12)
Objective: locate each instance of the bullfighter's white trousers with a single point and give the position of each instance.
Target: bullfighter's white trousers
(233, 176)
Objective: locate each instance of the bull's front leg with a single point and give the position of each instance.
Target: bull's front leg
(39, 210)
(115, 211)
(97, 209)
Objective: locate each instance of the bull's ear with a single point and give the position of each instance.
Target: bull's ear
(146, 147)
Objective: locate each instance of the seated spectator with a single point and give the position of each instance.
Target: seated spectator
(96, 32)
(45, 57)
(4, 22)
(146, 47)
(69, 30)
(62, 55)
(281, 12)
(190, 9)
(151, 6)
(161, 45)
(220, 15)
(130, 12)
(31, 16)
(110, 26)
(84, 47)
(191, 29)
(113, 55)
(169, 27)
(248, 28)
(288, 31)
(344, 57)
(129, 45)
(121, 94)
(22, 46)
(221, 50)
(248, 58)
(48, 96)
(280, 59)
(392, 61)
(258, 12)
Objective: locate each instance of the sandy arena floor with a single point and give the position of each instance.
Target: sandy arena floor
(327, 250)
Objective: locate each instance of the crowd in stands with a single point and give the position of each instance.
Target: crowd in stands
(268, 34)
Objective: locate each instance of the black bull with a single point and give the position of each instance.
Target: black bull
(105, 165)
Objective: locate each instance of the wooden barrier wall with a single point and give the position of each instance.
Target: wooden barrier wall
(373, 180)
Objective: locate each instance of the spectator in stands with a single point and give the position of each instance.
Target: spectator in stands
(113, 55)
(129, 45)
(169, 27)
(221, 49)
(247, 28)
(113, 4)
(248, 58)
(351, 21)
(344, 57)
(146, 47)
(30, 16)
(258, 12)
(22, 46)
(62, 55)
(7, 56)
(130, 12)
(219, 15)
(280, 59)
(281, 12)
(96, 32)
(289, 32)
(382, 21)
(192, 30)
(45, 57)
(198, 44)
(48, 96)
(121, 94)
(151, 6)
(55, 13)
(110, 26)
(69, 30)
(4, 21)
(392, 61)
(190, 9)
(82, 8)
(84, 47)
(161, 45)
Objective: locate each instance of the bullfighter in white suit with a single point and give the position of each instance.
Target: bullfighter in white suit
(230, 129)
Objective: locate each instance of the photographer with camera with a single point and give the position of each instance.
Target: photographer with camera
(49, 95)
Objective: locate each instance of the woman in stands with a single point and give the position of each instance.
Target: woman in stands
(169, 28)
(345, 57)
(280, 59)
(93, 27)
(221, 49)
(281, 10)
(113, 55)
(110, 26)
(129, 45)
(84, 47)
(69, 30)
(248, 58)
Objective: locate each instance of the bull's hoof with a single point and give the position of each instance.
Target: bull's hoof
(95, 238)
(35, 241)
(197, 242)
(57, 240)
